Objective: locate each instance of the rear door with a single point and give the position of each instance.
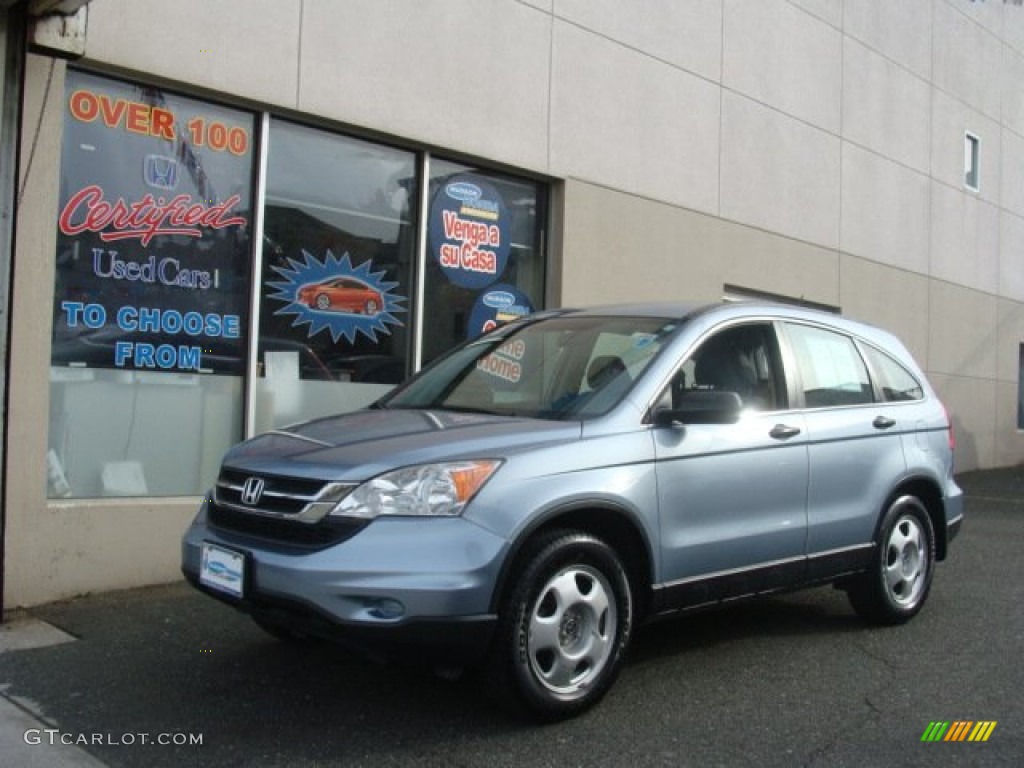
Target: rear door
(854, 447)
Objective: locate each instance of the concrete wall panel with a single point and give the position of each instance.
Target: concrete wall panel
(779, 173)
(1012, 173)
(965, 239)
(543, 5)
(1013, 87)
(971, 407)
(963, 335)
(661, 252)
(885, 108)
(987, 14)
(885, 210)
(781, 56)
(421, 70)
(890, 298)
(966, 59)
(1013, 29)
(623, 119)
(211, 45)
(901, 31)
(1011, 256)
(830, 11)
(620, 248)
(686, 35)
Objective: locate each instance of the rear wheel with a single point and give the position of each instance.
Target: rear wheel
(563, 629)
(323, 301)
(896, 586)
(370, 308)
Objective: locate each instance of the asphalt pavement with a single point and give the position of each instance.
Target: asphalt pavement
(164, 676)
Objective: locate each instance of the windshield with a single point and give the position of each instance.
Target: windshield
(563, 367)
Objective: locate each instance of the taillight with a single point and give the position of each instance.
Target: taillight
(949, 427)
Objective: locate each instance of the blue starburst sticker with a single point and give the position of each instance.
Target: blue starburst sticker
(335, 296)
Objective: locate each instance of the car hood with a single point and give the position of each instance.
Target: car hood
(353, 447)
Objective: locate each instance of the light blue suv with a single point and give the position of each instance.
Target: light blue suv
(522, 504)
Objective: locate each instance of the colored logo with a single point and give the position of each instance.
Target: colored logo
(333, 295)
(959, 730)
(463, 190)
(220, 569)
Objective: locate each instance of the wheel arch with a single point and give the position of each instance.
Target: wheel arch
(613, 525)
(930, 494)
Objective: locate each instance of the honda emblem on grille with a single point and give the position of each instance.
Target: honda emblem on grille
(252, 491)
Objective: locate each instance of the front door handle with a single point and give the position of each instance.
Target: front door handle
(784, 431)
(883, 422)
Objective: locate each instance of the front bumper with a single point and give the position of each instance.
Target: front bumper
(418, 589)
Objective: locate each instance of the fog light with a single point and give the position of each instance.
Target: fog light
(386, 608)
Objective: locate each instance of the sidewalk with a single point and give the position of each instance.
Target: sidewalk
(24, 740)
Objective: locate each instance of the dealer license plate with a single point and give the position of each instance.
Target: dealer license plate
(222, 569)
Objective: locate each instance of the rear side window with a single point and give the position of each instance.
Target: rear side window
(832, 371)
(895, 382)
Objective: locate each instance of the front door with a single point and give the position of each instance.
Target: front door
(732, 497)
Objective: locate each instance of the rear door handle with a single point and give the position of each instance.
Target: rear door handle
(784, 431)
(883, 422)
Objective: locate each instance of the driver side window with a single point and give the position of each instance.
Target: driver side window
(743, 359)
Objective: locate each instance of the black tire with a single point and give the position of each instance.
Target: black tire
(897, 584)
(563, 628)
(323, 301)
(280, 632)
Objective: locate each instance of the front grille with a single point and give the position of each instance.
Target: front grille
(291, 511)
(306, 536)
(281, 495)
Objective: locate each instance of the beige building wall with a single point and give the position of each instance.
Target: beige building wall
(807, 148)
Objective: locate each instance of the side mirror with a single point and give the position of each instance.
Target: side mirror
(700, 406)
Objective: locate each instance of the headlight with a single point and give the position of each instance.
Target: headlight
(425, 490)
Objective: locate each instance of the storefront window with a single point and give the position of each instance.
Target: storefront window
(338, 252)
(486, 263)
(151, 292)
(153, 310)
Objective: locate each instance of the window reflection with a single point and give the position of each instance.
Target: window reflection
(338, 249)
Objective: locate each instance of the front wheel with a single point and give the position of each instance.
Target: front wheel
(896, 586)
(564, 628)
